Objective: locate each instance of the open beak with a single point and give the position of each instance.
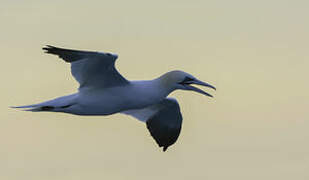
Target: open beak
(198, 82)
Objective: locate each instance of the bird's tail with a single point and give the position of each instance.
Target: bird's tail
(51, 105)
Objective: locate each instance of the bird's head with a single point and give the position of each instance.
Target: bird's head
(182, 80)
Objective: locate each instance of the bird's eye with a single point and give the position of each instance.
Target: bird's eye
(187, 80)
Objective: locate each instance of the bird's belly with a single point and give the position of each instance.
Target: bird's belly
(110, 102)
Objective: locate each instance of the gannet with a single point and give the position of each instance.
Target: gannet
(104, 91)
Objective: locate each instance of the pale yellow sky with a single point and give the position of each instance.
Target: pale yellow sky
(254, 52)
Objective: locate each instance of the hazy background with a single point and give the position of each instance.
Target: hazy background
(254, 52)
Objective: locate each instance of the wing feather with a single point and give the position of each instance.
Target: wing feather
(163, 121)
(89, 68)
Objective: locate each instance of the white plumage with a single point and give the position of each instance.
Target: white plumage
(103, 91)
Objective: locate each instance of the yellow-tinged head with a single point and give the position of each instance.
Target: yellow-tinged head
(181, 80)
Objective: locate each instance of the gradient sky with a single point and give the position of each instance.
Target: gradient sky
(255, 53)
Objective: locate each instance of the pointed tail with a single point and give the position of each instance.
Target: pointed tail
(51, 105)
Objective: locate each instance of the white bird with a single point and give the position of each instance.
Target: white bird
(103, 91)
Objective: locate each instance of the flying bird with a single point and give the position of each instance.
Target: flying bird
(104, 91)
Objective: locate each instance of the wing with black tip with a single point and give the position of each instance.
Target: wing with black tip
(163, 121)
(89, 68)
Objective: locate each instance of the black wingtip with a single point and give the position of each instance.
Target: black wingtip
(165, 148)
(51, 49)
(48, 48)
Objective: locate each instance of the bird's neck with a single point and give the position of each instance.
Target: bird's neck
(163, 84)
(156, 87)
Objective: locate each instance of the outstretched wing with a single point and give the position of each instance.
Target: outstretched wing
(163, 121)
(90, 69)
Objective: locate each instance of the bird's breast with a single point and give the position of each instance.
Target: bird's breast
(113, 100)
